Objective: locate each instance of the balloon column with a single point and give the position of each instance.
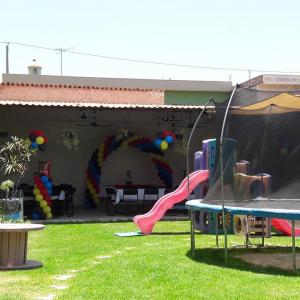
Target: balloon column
(113, 143)
(38, 140)
(42, 192)
(164, 139)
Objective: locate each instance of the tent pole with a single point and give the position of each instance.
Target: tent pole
(189, 142)
(222, 174)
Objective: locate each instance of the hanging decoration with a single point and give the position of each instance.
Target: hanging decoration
(43, 189)
(283, 145)
(164, 139)
(181, 144)
(69, 139)
(38, 140)
(124, 140)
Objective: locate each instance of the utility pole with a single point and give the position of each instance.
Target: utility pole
(61, 50)
(7, 57)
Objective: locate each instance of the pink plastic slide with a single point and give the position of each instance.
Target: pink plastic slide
(147, 221)
(285, 227)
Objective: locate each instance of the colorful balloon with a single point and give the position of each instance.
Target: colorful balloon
(34, 145)
(169, 139)
(43, 203)
(49, 216)
(39, 198)
(164, 145)
(44, 179)
(40, 140)
(48, 185)
(47, 210)
(36, 191)
(165, 133)
(158, 142)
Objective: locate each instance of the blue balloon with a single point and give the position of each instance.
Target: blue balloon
(169, 139)
(44, 179)
(158, 142)
(49, 185)
(34, 145)
(50, 192)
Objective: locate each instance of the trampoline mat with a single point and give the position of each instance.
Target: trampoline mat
(289, 204)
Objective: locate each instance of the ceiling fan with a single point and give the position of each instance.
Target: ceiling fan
(91, 123)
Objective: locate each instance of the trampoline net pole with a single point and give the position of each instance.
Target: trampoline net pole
(222, 174)
(188, 150)
(189, 142)
(294, 244)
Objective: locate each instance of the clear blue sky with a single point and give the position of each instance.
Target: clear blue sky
(256, 35)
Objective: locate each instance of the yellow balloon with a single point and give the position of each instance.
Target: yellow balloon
(46, 210)
(36, 191)
(40, 140)
(39, 198)
(43, 203)
(164, 145)
(49, 216)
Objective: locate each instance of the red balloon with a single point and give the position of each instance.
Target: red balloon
(173, 135)
(39, 186)
(33, 132)
(165, 133)
(36, 179)
(40, 133)
(45, 139)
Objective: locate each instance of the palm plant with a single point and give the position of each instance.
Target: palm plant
(15, 157)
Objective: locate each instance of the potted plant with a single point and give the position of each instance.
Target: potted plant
(15, 156)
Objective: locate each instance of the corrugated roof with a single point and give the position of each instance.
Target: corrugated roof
(101, 105)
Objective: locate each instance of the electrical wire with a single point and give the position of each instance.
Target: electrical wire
(150, 61)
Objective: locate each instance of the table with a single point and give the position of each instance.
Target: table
(140, 195)
(13, 246)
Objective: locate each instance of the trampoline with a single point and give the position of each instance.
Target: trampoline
(254, 165)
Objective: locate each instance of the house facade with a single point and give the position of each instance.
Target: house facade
(93, 109)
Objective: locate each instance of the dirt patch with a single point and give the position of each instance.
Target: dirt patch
(278, 260)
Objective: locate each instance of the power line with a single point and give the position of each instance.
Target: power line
(152, 61)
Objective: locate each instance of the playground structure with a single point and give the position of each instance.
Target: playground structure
(258, 144)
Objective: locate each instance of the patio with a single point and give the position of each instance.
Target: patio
(83, 215)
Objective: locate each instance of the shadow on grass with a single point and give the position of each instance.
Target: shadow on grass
(215, 257)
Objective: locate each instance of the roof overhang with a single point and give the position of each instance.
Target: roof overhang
(105, 105)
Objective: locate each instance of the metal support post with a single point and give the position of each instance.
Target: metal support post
(192, 234)
(294, 244)
(217, 229)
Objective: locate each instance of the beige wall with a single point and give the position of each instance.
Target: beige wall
(70, 166)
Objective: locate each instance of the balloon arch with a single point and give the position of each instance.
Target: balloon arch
(113, 143)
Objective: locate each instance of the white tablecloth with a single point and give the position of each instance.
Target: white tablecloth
(139, 197)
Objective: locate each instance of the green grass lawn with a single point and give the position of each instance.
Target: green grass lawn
(105, 266)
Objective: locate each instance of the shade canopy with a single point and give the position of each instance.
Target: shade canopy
(281, 103)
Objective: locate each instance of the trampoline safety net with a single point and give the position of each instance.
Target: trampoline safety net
(261, 151)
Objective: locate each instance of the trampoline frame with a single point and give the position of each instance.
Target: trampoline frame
(196, 205)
